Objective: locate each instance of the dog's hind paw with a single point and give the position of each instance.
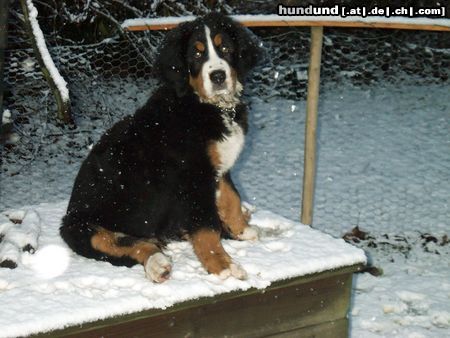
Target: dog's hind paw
(158, 267)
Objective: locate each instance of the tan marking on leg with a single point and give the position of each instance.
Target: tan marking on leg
(230, 212)
(217, 40)
(197, 84)
(200, 46)
(141, 251)
(209, 250)
(106, 241)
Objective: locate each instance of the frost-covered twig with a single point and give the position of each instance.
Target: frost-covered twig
(132, 9)
(79, 17)
(51, 73)
(110, 18)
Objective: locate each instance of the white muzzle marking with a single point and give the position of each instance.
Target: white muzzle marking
(215, 63)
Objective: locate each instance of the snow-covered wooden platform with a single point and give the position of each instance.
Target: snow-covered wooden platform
(299, 279)
(307, 306)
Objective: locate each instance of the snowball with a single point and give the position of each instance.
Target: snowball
(50, 261)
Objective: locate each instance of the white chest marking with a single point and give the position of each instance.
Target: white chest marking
(230, 148)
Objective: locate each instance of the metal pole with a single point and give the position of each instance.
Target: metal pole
(312, 102)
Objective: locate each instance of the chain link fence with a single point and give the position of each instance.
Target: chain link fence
(111, 77)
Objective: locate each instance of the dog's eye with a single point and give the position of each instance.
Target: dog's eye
(225, 49)
(198, 54)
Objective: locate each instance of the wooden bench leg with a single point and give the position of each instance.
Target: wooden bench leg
(312, 101)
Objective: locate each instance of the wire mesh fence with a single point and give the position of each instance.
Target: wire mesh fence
(111, 77)
(361, 57)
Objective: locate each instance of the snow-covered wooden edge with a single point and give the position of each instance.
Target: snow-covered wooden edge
(298, 21)
(247, 313)
(52, 279)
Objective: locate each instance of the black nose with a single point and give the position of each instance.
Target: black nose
(217, 77)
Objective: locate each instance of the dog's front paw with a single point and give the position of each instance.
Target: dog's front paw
(238, 271)
(234, 270)
(249, 234)
(158, 267)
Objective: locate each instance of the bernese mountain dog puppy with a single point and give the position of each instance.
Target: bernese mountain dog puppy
(164, 173)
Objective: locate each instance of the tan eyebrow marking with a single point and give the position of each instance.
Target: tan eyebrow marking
(218, 40)
(200, 46)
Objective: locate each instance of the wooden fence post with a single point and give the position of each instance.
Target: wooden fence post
(312, 101)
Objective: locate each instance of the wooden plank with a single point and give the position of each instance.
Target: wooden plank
(308, 23)
(346, 24)
(250, 316)
(287, 305)
(150, 27)
(332, 329)
(312, 103)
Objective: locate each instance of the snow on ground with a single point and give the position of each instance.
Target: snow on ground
(383, 165)
(50, 281)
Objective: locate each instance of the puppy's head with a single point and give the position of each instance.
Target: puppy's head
(209, 56)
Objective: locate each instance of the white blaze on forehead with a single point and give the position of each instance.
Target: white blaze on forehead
(213, 63)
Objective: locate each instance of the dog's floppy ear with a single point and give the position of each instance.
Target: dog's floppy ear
(249, 50)
(170, 63)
